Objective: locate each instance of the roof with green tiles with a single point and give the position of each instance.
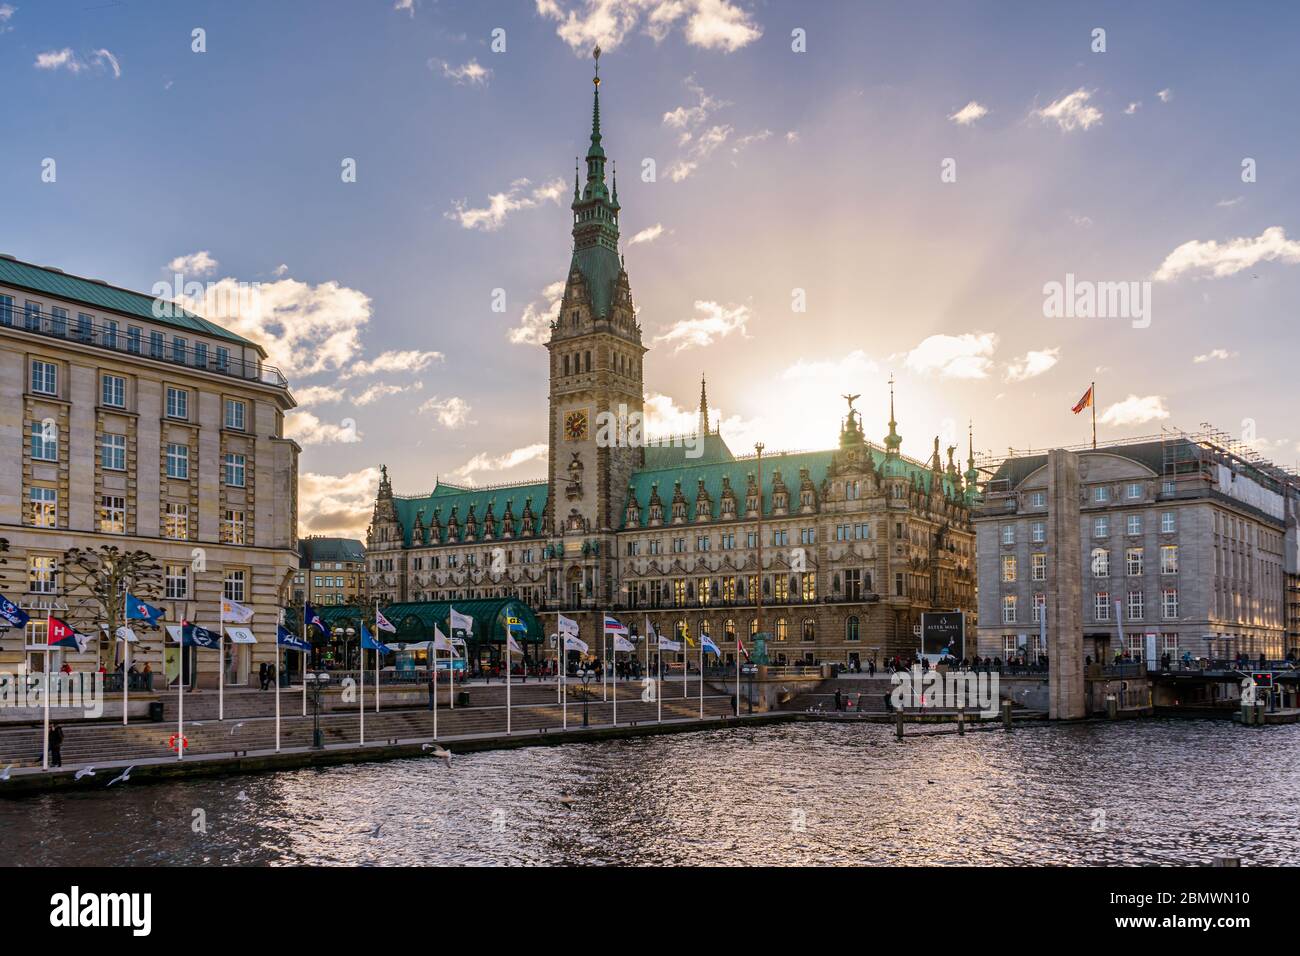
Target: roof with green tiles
(738, 471)
(330, 549)
(675, 453)
(446, 497)
(93, 292)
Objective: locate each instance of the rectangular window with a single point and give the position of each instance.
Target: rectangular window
(133, 334)
(45, 441)
(1040, 605)
(1133, 525)
(1009, 609)
(1168, 523)
(1039, 568)
(1038, 532)
(176, 522)
(1136, 605)
(1037, 499)
(234, 468)
(45, 378)
(45, 507)
(233, 585)
(1101, 606)
(1169, 559)
(157, 344)
(1133, 562)
(223, 359)
(112, 514)
(112, 453)
(178, 403)
(1101, 527)
(1009, 568)
(110, 334)
(200, 355)
(32, 315)
(1008, 534)
(42, 574)
(177, 582)
(178, 349)
(85, 327)
(113, 391)
(178, 461)
(6, 310)
(1101, 494)
(1134, 490)
(1169, 604)
(235, 414)
(232, 529)
(1100, 563)
(59, 321)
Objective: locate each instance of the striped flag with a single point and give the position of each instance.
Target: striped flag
(612, 626)
(1084, 402)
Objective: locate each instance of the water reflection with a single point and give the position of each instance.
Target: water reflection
(1147, 792)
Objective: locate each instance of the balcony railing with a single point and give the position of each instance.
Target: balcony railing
(71, 328)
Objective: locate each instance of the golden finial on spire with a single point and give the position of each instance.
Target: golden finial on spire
(595, 55)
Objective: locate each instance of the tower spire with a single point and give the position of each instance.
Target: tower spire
(704, 408)
(972, 474)
(893, 440)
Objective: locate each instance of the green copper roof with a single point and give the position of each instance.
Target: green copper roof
(600, 268)
(446, 497)
(330, 549)
(670, 456)
(738, 471)
(41, 279)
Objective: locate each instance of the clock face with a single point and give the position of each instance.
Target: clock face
(575, 425)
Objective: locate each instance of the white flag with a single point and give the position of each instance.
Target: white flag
(125, 633)
(440, 641)
(568, 626)
(235, 612)
(461, 622)
(513, 647)
(667, 645)
(572, 643)
(621, 643)
(382, 623)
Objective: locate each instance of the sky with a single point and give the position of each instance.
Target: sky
(996, 204)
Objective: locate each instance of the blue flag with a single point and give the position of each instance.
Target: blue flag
(368, 641)
(137, 610)
(287, 638)
(313, 619)
(194, 636)
(12, 613)
(706, 644)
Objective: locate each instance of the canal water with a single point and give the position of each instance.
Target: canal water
(1136, 792)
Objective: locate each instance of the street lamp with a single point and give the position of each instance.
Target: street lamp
(317, 681)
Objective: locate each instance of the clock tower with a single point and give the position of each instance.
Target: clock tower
(596, 378)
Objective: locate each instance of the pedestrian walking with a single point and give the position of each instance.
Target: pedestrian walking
(433, 688)
(839, 701)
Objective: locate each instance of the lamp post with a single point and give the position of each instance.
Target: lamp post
(317, 681)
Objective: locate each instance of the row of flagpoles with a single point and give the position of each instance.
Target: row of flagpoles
(60, 634)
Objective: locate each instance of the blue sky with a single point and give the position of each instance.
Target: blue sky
(776, 171)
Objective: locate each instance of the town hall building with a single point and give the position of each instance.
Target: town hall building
(828, 555)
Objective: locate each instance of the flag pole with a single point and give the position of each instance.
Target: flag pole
(45, 751)
(701, 677)
(433, 665)
(304, 658)
(279, 656)
(221, 661)
(507, 655)
(377, 641)
(126, 679)
(361, 680)
(604, 664)
(737, 676)
(180, 706)
(1093, 389)
(451, 665)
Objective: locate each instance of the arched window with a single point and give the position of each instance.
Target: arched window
(809, 629)
(780, 629)
(753, 626)
(704, 626)
(851, 628)
(730, 629)
(679, 628)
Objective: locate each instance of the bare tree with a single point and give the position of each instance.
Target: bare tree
(106, 574)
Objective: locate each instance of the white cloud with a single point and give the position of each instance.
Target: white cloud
(195, 264)
(451, 412)
(484, 463)
(648, 234)
(407, 5)
(1165, 95)
(318, 395)
(66, 59)
(1231, 257)
(1132, 108)
(1214, 354)
(336, 504)
(686, 117)
(699, 138)
(378, 390)
(712, 322)
(306, 429)
(1071, 112)
(968, 355)
(280, 270)
(1032, 364)
(792, 136)
(1135, 411)
(534, 326)
(1225, 203)
(304, 328)
(7, 12)
(835, 375)
(500, 205)
(399, 360)
(467, 74)
(709, 24)
(969, 113)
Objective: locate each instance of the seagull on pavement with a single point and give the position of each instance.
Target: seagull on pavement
(242, 797)
(567, 800)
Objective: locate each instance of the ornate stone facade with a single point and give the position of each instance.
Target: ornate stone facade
(834, 553)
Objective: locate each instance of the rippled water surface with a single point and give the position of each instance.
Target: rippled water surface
(1140, 792)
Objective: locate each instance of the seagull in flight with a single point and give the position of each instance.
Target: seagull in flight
(568, 800)
(236, 727)
(438, 751)
(4, 774)
(123, 777)
(84, 772)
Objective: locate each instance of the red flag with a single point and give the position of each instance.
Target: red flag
(61, 634)
(740, 646)
(1084, 402)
